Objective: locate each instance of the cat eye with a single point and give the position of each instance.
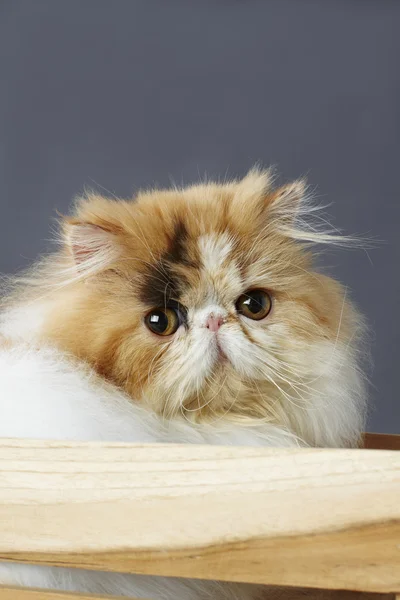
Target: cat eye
(254, 304)
(163, 321)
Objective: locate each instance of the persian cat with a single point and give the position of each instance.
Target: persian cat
(192, 316)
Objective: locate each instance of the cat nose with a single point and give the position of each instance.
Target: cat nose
(214, 323)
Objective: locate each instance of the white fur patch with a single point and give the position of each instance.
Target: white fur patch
(24, 322)
(214, 250)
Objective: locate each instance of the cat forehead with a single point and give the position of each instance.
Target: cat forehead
(191, 266)
(214, 250)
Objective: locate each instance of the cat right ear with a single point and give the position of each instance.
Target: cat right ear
(94, 235)
(89, 243)
(93, 248)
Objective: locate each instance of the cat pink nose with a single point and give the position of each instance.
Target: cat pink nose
(214, 323)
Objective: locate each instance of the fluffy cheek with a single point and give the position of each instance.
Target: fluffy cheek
(262, 351)
(290, 343)
(137, 362)
(246, 349)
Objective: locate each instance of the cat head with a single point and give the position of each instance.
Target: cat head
(204, 302)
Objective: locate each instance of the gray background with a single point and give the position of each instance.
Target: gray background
(126, 93)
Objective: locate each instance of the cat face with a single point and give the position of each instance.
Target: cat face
(202, 302)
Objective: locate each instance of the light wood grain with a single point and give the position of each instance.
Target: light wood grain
(381, 441)
(313, 518)
(17, 593)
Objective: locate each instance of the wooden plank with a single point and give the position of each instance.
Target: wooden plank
(304, 517)
(381, 441)
(18, 593)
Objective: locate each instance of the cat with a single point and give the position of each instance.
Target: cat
(191, 315)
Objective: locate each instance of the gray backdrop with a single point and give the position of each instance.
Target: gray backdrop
(126, 93)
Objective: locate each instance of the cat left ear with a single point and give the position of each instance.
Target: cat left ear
(285, 202)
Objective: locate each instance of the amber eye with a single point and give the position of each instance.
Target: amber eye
(163, 321)
(254, 304)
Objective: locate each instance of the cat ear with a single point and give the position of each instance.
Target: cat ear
(286, 202)
(91, 237)
(92, 247)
